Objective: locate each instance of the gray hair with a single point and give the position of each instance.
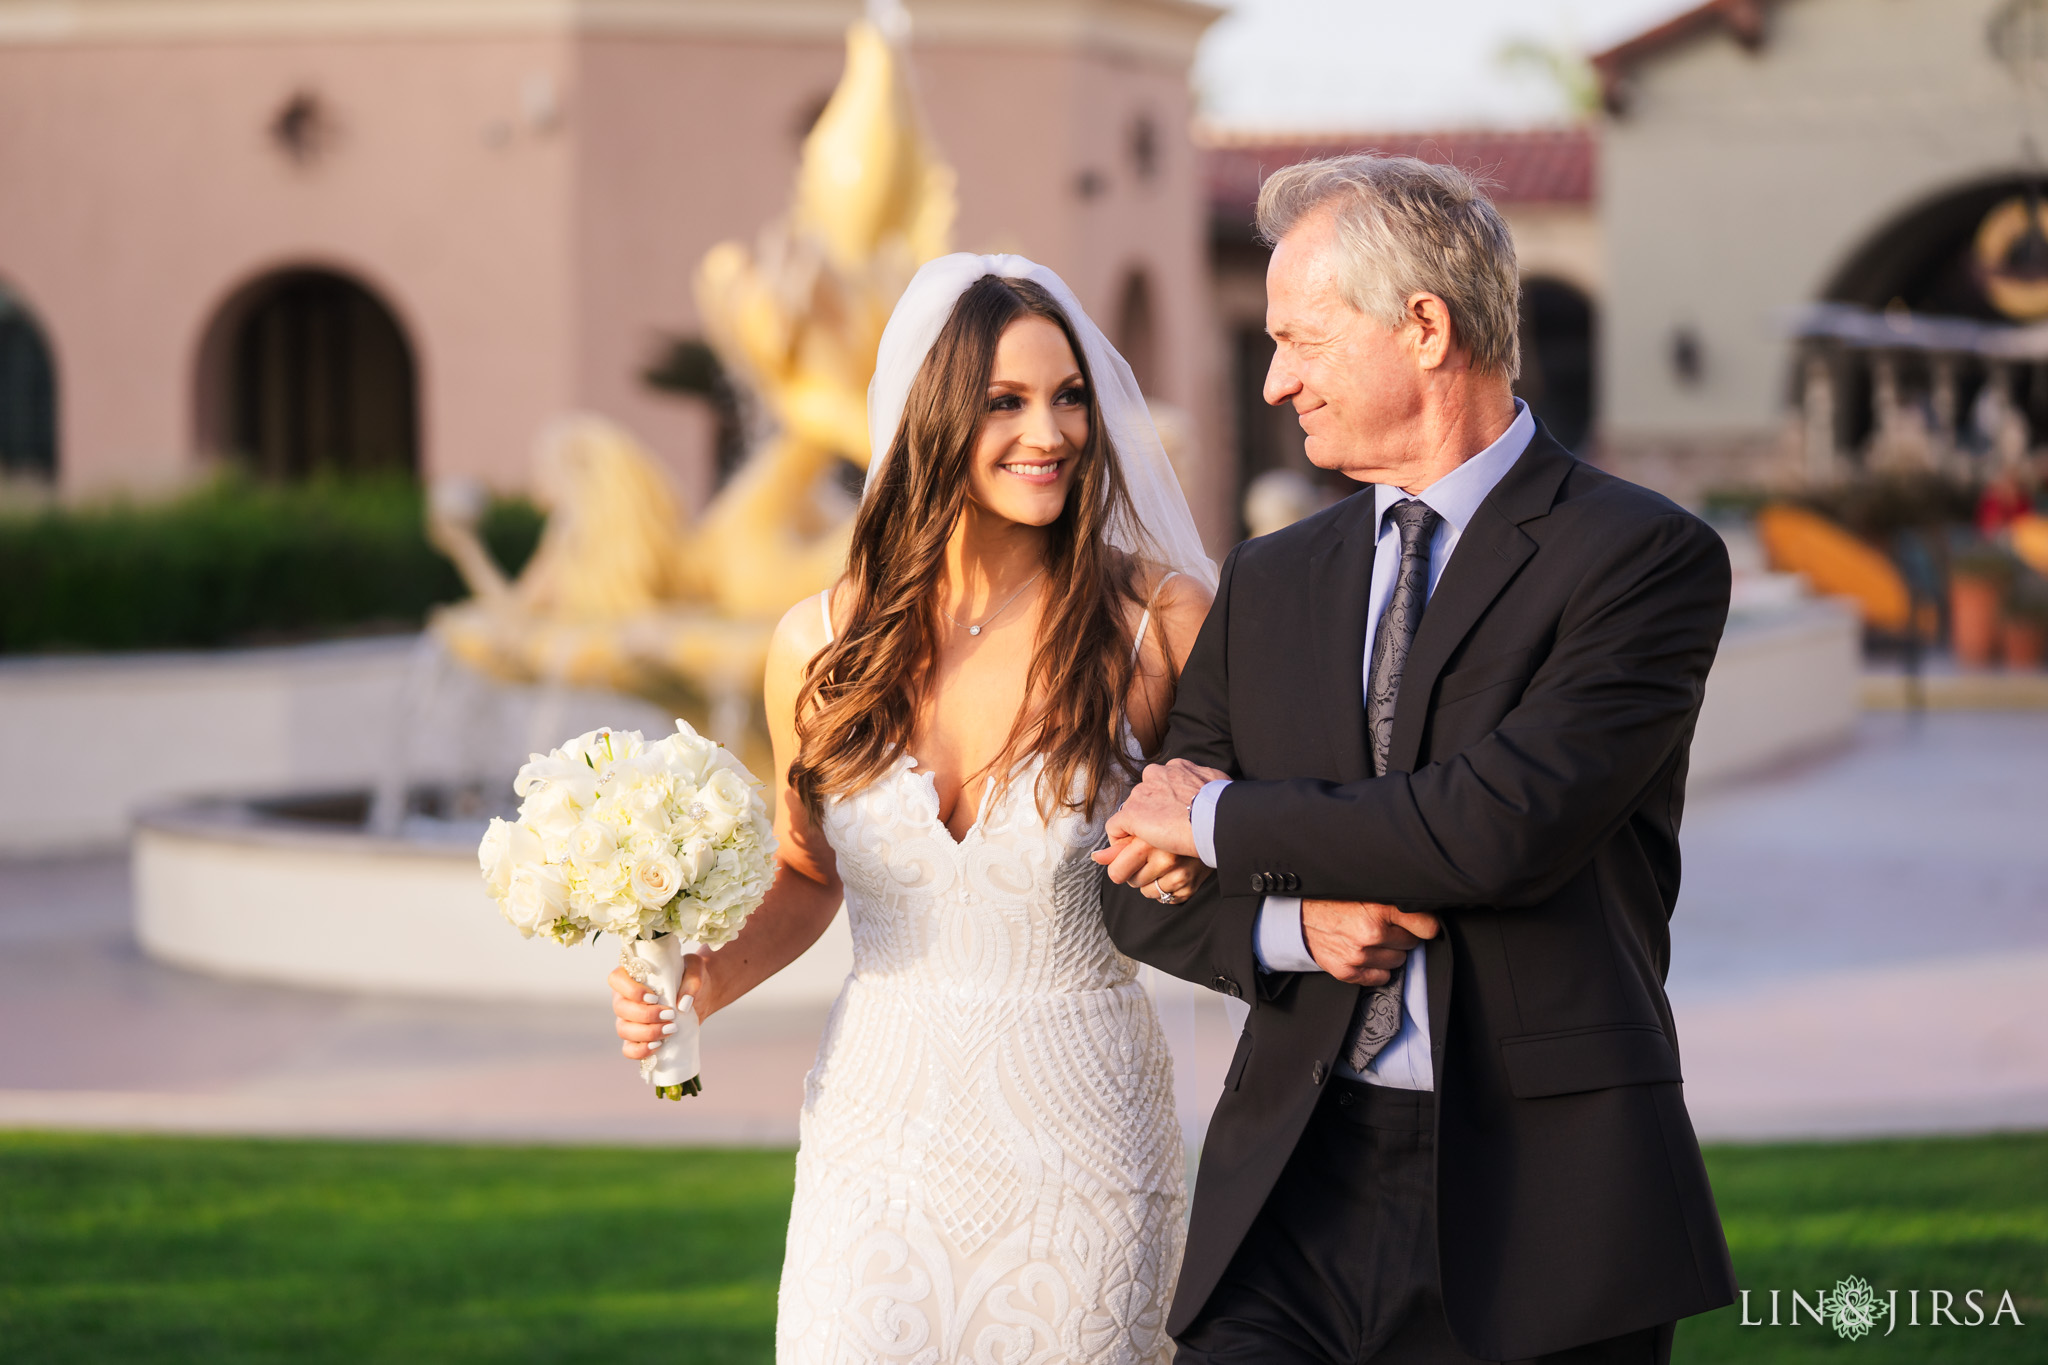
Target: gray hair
(1407, 227)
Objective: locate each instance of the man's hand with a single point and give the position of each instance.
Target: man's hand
(1156, 812)
(1360, 941)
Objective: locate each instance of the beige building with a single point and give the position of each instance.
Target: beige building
(1760, 158)
(361, 233)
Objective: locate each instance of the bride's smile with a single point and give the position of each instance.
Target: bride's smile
(1036, 427)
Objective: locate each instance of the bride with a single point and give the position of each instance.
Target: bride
(991, 1167)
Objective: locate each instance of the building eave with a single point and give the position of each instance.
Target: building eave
(1744, 20)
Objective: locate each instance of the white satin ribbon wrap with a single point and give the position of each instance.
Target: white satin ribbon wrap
(657, 964)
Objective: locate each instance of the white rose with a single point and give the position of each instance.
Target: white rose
(690, 858)
(551, 813)
(536, 897)
(505, 847)
(657, 878)
(687, 754)
(592, 844)
(494, 857)
(725, 799)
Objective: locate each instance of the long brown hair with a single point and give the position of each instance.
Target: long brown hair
(861, 695)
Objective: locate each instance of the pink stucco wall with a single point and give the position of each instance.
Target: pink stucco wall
(534, 265)
(144, 191)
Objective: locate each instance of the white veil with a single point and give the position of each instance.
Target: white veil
(1200, 1026)
(1165, 529)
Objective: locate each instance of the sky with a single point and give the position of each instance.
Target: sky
(1387, 65)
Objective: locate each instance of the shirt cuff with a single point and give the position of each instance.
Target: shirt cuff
(1202, 819)
(1277, 940)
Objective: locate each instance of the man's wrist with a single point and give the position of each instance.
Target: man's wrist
(1202, 819)
(1278, 940)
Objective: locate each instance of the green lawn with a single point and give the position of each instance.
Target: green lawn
(152, 1250)
(1936, 1214)
(149, 1250)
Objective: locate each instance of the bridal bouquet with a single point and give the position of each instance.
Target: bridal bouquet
(666, 845)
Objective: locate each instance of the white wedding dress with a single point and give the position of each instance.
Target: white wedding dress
(991, 1167)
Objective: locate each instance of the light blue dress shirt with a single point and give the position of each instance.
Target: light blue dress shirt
(1404, 1064)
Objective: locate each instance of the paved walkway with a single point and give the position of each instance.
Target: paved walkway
(1861, 944)
(1862, 947)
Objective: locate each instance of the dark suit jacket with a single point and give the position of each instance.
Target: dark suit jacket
(1532, 802)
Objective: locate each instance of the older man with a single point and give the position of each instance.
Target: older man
(1433, 742)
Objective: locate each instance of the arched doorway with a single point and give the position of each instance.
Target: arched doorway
(1927, 262)
(1922, 259)
(28, 395)
(311, 373)
(1557, 358)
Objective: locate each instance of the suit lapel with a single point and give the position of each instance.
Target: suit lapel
(1489, 554)
(1340, 590)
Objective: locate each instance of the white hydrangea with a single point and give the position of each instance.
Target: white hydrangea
(616, 835)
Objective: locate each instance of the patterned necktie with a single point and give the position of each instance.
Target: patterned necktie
(1379, 1009)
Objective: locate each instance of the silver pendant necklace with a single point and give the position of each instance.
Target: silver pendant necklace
(977, 628)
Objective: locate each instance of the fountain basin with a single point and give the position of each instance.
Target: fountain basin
(294, 890)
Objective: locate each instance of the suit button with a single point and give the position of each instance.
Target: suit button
(1293, 882)
(1258, 882)
(1222, 983)
(1316, 1073)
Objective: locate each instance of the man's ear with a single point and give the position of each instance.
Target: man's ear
(1429, 324)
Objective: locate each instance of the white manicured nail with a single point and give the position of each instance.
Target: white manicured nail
(650, 999)
(654, 1046)
(667, 1029)
(668, 1014)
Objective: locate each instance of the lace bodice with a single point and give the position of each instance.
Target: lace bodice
(1022, 910)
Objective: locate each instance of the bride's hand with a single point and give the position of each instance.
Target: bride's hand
(1133, 862)
(1183, 876)
(642, 1020)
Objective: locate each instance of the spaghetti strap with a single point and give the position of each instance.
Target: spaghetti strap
(1138, 642)
(825, 610)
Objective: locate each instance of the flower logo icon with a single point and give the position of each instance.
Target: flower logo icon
(1853, 1307)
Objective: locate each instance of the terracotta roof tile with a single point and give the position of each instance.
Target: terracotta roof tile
(1549, 165)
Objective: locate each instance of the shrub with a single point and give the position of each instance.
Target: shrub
(234, 562)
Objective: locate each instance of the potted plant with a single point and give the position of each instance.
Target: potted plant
(1979, 578)
(2025, 628)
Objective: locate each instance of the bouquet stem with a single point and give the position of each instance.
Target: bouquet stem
(658, 965)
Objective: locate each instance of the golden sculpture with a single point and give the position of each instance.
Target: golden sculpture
(623, 591)
(798, 320)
